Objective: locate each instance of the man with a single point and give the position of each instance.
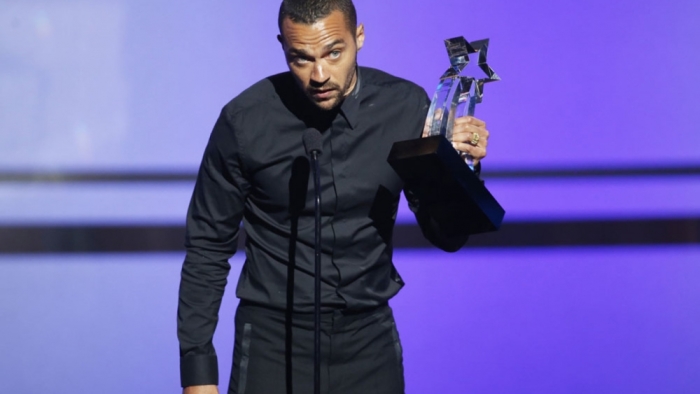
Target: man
(255, 169)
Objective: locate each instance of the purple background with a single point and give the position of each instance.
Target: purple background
(537, 320)
(137, 84)
(126, 85)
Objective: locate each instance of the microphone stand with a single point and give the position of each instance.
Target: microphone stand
(313, 144)
(317, 275)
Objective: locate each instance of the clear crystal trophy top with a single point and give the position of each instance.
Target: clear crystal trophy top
(437, 177)
(457, 95)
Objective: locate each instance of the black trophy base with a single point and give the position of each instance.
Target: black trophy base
(444, 183)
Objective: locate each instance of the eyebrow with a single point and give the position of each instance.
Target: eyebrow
(301, 52)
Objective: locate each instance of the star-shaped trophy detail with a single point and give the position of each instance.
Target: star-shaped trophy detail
(458, 49)
(457, 95)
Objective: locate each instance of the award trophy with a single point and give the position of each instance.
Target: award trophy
(442, 178)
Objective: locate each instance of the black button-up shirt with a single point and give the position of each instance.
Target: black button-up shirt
(255, 169)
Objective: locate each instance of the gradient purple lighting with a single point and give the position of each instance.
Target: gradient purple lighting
(600, 320)
(588, 83)
(127, 86)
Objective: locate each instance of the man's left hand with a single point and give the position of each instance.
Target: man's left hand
(470, 136)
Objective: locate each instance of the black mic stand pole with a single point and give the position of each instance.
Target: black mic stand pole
(313, 143)
(317, 277)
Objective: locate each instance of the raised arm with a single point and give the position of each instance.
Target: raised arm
(435, 219)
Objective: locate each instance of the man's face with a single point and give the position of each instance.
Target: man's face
(322, 57)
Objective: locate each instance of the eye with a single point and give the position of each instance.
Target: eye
(334, 54)
(299, 60)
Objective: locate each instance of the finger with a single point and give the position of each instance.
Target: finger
(469, 129)
(477, 152)
(468, 137)
(468, 146)
(470, 120)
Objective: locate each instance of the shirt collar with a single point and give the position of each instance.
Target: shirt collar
(350, 107)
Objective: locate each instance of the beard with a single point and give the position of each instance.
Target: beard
(331, 95)
(326, 97)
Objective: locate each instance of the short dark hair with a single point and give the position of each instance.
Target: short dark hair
(311, 11)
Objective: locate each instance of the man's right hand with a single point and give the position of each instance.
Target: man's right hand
(201, 390)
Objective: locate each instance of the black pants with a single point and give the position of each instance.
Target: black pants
(273, 352)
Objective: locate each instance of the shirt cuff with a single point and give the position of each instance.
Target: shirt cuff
(199, 370)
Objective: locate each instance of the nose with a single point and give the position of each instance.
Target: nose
(319, 76)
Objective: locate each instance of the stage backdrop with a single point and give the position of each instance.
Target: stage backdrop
(118, 84)
(106, 105)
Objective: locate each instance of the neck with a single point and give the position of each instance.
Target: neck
(352, 84)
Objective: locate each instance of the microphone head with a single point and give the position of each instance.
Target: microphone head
(313, 141)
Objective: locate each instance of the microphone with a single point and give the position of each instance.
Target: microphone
(313, 143)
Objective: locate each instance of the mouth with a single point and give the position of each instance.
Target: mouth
(322, 94)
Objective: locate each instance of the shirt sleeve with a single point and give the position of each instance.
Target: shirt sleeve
(431, 225)
(213, 222)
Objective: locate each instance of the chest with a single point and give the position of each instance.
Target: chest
(355, 176)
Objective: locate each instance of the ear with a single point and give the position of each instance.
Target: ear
(360, 36)
(281, 41)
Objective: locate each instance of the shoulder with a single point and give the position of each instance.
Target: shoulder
(263, 95)
(248, 111)
(388, 82)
